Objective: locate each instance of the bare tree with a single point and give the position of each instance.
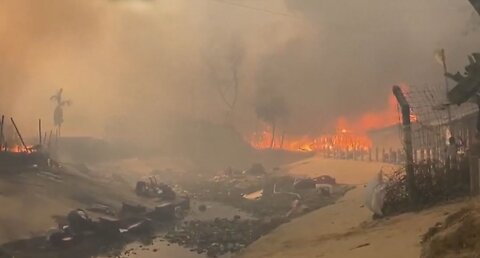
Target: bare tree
(271, 108)
(227, 82)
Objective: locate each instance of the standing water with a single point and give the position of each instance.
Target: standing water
(159, 247)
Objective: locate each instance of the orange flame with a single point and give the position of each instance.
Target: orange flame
(342, 140)
(350, 134)
(19, 149)
(373, 120)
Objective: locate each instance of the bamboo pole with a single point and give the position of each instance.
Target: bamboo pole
(40, 131)
(19, 134)
(283, 138)
(56, 137)
(274, 127)
(50, 139)
(1, 132)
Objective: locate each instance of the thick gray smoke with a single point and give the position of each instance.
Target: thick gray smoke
(138, 69)
(355, 51)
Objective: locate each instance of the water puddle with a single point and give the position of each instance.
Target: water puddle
(159, 247)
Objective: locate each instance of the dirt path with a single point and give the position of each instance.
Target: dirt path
(345, 229)
(31, 201)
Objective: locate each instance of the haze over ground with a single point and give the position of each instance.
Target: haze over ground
(137, 67)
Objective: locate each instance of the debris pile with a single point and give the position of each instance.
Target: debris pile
(221, 236)
(267, 194)
(81, 226)
(109, 223)
(150, 187)
(271, 199)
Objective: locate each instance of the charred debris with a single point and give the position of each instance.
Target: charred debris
(165, 209)
(17, 155)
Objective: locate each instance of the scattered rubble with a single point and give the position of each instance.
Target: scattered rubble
(136, 219)
(268, 195)
(221, 236)
(271, 200)
(100, 208)
(150, 187)
(325, 179)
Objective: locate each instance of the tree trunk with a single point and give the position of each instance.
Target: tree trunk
(235, 89)
(283, 138)
(274, 127)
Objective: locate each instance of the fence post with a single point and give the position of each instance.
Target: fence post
(474, 174)
(407, 135)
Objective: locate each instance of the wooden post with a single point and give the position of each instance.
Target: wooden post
(467, 138)
(57, 135)
(376, 154)
(407, 135)
(19, 135)
(49, 139)
(1, 133)
(272, 143)
(40, 131)
(283, 138)
(474, 174)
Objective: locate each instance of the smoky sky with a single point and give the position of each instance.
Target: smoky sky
(135, 67)
(356, 51)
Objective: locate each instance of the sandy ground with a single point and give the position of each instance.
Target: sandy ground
(31, 202)
(346, 229)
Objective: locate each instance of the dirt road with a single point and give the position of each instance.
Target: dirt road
(346, 229)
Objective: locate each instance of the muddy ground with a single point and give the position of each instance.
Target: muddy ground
(36, 201)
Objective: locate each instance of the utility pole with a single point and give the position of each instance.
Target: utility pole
(407, 137)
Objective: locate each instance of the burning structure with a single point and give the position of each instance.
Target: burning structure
(349, 135)
(341, 140)
(16, 153)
